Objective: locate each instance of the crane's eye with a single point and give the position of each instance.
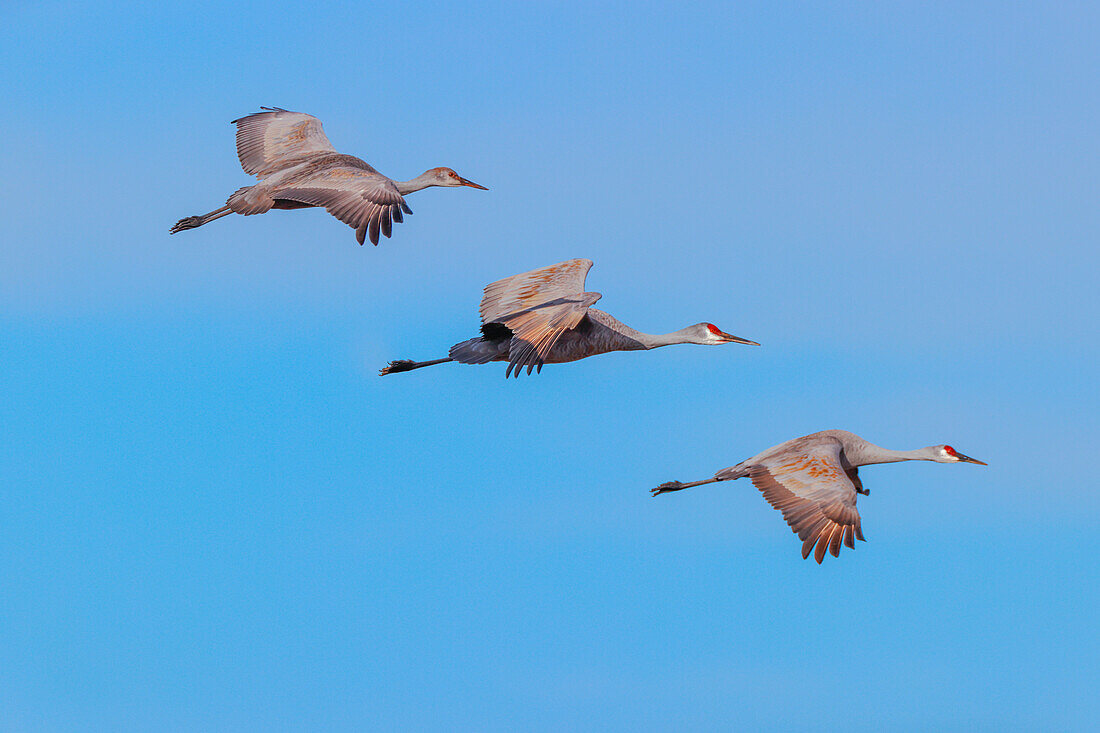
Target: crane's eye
(714, 329)
(949, 450)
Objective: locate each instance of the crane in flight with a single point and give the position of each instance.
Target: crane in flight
(298, 168)
(814, 481)
(545, 317)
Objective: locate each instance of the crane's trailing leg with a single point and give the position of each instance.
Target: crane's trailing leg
(191, 222)
(406, 365)
(677, 486)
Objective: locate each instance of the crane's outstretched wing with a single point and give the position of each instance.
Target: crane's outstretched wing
(535, 331)
(538, 306)
(521, 292)
(815, 494)
(362, 198)
(265, 140)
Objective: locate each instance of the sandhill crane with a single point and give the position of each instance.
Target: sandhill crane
(814, 480)
(298, 168)
(545, 317)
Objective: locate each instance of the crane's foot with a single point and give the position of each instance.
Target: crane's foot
(667, 486)
(401, 365)
(188, 222)
(865, 492)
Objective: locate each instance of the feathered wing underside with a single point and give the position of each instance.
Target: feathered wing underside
(816, 496)
(538, 306)
(538, 329)
(363, 199)
(266, 140)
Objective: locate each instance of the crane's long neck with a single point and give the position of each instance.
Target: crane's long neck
(416, 184)
(869, 454)
(654, 340)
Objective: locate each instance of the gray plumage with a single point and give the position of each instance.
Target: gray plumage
(298, 168)
(814, 481)
(545, 317)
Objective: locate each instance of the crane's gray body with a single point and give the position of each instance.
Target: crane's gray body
(299, 168)
(854, 451)
(544, 316)
(597, 333)
(814, 481)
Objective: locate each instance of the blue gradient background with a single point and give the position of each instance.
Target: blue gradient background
(216, 517)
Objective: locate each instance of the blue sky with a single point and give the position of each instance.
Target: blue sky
(216, 516)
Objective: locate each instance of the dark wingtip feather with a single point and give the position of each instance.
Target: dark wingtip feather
(373, 230)
(387, 225)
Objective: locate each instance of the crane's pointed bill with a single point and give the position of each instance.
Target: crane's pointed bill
(729, 337)
(471, 184)
(968, 459)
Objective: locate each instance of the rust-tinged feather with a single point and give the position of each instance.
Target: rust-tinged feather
(834, 540)
(821, 549)
(814, 493)
(800, 514)
(808, 545)
(813, 529)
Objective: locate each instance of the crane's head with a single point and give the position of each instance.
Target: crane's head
(709, 334)
(947, 454)
(447, 177)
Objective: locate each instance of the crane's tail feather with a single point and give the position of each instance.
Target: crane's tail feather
(479, 350)
(732, 473)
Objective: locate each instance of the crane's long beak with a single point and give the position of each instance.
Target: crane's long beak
(471, 184)
(729, 337)
(968, 459)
